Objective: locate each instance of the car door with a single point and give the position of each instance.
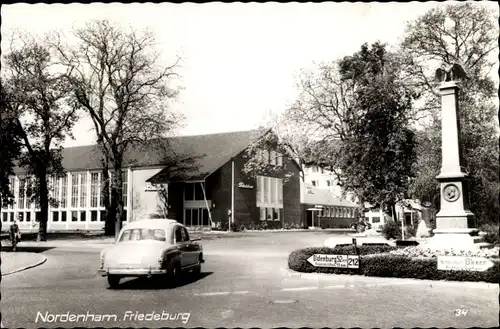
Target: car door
(191, 247)
(182, 247)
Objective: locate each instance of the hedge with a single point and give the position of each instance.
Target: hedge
(375, 261)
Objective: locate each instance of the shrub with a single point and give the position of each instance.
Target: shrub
(391, 230)
(387, 261)
(387, 265)
(491, 235)
(410, 231)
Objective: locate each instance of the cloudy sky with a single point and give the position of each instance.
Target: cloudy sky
(238, 60)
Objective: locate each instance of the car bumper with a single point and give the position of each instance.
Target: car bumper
(131, 271)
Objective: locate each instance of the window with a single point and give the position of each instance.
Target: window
(195, 219)
(64, 191)
(262, 213)
(188, 192)
(269, 197)
(63, 216)
(314, 169)
(93, 216)
(4, 217)
(102, 215)
(185, 234)
(83, 190)
(206, 217)
(138, 234)
(74, 190)
(198, 192)
(94, 189)
(83, 216)
(74, 216)
(276, 214)
(280, 160)
(178, 235)
(187, 217)
(375, 219)
(124, 187)
(265, 191)
(314, 183)
(20, 217)
(22, 192)
(55, 216)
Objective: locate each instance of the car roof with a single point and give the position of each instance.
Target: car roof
(155, 223)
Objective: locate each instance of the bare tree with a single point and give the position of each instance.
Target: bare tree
(118, 80)
(38, 92)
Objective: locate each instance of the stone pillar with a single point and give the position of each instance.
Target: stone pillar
(455, 224)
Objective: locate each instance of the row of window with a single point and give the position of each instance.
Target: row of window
(59, 189)
(338, 212)
(58, 216)
(270, 157)
(329, 183)
(270, 214)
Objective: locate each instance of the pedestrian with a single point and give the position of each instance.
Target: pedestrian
(15, 234)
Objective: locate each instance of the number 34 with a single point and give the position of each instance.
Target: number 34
(461, 312)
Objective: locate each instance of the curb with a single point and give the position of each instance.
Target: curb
(40, 262)
(397, 281)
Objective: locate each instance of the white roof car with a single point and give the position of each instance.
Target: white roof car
(151, 247)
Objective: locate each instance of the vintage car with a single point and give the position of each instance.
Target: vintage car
(151, 247)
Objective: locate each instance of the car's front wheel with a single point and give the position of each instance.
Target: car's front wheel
(113, 281)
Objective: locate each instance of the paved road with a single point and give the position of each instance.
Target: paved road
(241, 286)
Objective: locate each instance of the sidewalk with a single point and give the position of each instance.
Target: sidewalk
(13, 262)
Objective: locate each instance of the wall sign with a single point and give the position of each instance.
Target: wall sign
(150, 187)
(243, 185)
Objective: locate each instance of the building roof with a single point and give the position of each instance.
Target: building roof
(208, 153)
(316, 196)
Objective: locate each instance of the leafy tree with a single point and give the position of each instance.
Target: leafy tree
(39, 92)
(10, 145)
(117, 78)
(467, 34)
(376, 156)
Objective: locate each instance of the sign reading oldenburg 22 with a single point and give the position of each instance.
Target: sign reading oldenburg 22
(461, 263)
(340, 261)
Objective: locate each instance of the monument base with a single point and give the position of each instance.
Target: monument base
(459, 239)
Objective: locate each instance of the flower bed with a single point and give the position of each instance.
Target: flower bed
(421, 252)
(388, 261)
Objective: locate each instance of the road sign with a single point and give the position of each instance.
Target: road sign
(339, 261)
(461, 263)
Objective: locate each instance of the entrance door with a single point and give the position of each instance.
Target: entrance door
(309, 218)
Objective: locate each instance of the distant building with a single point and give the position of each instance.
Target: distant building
(215, 191)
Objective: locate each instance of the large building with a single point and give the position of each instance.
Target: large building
(212, 191)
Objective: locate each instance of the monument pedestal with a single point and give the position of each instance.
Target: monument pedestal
(455, 224)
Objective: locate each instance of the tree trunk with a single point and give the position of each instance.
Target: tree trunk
(44, 206)
(105, 194)
(117, 196)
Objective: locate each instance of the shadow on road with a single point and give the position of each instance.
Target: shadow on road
(160, 283)
(35, 249)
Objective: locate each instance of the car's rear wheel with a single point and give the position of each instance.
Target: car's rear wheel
(197, 270)
(113, 281)
(174, 273)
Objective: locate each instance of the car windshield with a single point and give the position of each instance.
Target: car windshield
(140, 234)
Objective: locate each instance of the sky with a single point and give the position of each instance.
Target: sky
(239, 61)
